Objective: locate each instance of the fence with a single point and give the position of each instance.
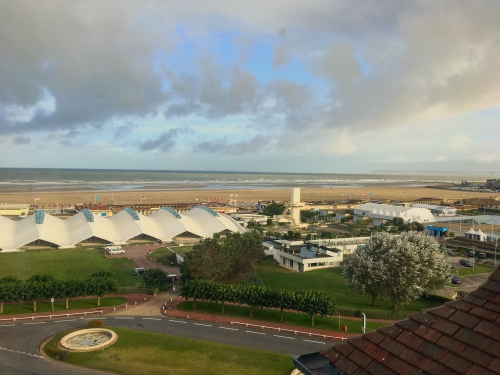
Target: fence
(67, 315)
(292, 331)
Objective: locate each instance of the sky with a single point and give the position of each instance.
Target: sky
(266, 86)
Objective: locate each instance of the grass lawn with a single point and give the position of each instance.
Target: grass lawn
(164, 256)
(182, 250)
(330, 281)
(60, 305)
(270, 315)
(67, 263)
(467, 271)
(147, 353)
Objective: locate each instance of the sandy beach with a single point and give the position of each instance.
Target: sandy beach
(248, 195)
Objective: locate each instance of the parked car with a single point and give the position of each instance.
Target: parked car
(116, 251)
(482, 256)
(450, 253)
(138, 271)
(471, 254)
(454, 279)
(466, 263)
(172, 278)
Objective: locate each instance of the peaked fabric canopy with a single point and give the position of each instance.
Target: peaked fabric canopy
(163, 225)
(389, 212)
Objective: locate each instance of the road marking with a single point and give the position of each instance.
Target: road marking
(7, 325)
(317, 342)
(18, 352)
(232, 329)
(285, 337)
(151, 318)
(205, 325)
(122, 317)
(94, 318)
(34, 323)
(176, 321)
(67, 320)
(257, 333)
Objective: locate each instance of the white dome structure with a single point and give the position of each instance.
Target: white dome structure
(163, 225)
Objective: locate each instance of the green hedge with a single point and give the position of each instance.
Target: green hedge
(133, 290)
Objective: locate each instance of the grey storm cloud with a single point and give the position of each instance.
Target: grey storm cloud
(165, 141)
(378, 64)
(223, 146)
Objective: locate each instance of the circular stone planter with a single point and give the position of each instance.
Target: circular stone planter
(86, 340)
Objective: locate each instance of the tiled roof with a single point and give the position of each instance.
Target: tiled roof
(461, 337)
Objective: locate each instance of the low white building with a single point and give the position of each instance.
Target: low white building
(389, 212)
(303, 257)
(438, 210)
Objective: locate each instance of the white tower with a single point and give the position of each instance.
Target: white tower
(296, 205)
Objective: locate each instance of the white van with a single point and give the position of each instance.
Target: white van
(114, 250)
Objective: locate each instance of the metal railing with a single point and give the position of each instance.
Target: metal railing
(292, 331)
(67, 315)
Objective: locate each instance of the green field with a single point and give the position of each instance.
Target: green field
(270, 315)
(164, 256)
(151, 353)
(330, 281)
(60, 305)
(67, 263)
(467, 271)
(182, 250)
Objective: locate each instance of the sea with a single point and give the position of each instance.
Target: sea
(26, 179)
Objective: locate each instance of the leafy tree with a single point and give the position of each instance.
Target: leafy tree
(326, 235)
(9, 290)
(315, 303)
(100, 283)
(364, 269)
(297, 235)
(269, 222)
(155, 278)
(401, 269)
(308, 237)
(274, 209)
(73, 288)
(283, 299)
(420, 227)
(38, 287)
(343, 220)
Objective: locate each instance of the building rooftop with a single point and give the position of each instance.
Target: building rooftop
(460, 337)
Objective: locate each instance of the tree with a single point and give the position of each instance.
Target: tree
(155, 278)
(326, 235)
(101, 283)
(274, 209)
(314, 303)
(269, 222)
(73, 288)
(364, 269)
(400, 268)
(283, 299)
(9, 290)
(308, 237)
(38, 287)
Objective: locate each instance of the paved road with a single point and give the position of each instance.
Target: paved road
(139, 255)
(20, 342)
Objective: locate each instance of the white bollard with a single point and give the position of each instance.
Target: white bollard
(126, 306)
(136, 302)
(145, 298)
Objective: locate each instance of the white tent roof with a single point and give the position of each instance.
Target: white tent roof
(162, 224)
(389, 212)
